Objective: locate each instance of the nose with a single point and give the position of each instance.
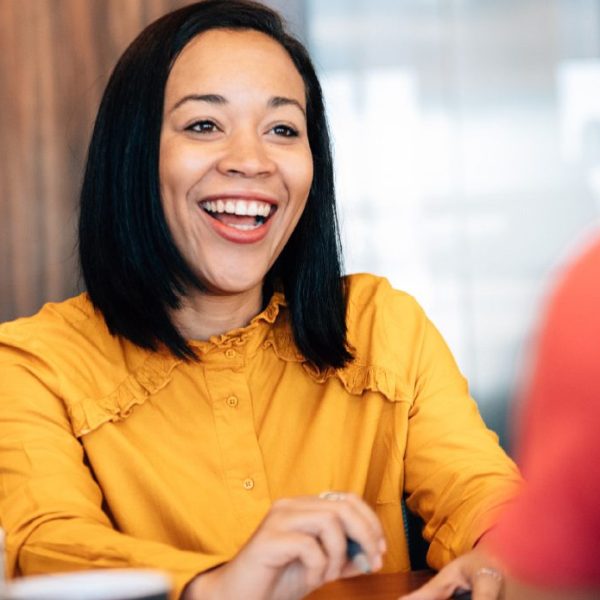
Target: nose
(246, 156)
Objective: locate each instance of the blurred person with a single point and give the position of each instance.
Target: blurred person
(221, 403)
(548, 539)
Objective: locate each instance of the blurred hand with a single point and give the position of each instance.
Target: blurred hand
(299, 546)
(475, 571)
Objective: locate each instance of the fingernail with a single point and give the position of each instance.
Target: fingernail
(382, 545)
(362, 562)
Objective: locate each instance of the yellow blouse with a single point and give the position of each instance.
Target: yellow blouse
(114, 456)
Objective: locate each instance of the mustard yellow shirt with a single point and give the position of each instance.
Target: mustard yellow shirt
(114, 456)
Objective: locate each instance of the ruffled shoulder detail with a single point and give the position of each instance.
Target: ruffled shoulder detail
(356, 378)
(155, 372)
(88, 414)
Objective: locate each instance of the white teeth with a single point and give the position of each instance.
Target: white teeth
(241, 208)
(251, 208)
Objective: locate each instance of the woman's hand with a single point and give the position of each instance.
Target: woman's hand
(475, 571)
(299, 546)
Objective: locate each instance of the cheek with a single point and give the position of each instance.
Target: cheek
(178, 171)
(309, 174)
(170, 180)
(180, 164)
(301, 178)
(165, 176)
(171, 167)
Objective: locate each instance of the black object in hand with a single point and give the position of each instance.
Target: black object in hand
(353, 548)
(355, 553)
(461, 595)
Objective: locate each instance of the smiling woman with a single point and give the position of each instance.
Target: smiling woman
(234, 142)
(194, 410)
(136, 216)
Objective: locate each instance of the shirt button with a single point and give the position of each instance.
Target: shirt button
(232, 401)
(248, 484)
(230, 353)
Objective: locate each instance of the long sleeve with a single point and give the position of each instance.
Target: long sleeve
(457, 477)
(50, 505)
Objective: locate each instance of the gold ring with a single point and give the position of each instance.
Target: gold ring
(333, 496)
(489, 572)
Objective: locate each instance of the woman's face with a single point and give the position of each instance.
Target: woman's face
(235, 162)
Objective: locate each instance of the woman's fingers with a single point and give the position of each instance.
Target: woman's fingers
(369, 514)
(473, 571)
(274, 564)
(440, 587)
(487, 584)
(370, 519)
(333, 539)
(324, 526)
(302, 543)
(308, 551)
(334, 517)
(361, 525)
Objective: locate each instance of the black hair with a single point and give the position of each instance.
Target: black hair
(132, 269)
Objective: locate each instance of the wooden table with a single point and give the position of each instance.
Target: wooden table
(388, 586)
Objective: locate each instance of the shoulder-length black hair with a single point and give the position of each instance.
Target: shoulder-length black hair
(133, 272)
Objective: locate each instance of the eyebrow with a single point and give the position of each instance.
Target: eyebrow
(274, 102)
(277, 101)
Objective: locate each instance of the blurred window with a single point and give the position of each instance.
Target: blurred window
(467, 147)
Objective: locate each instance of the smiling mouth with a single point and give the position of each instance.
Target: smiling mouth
(243, 215)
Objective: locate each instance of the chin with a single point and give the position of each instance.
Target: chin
(233, 285)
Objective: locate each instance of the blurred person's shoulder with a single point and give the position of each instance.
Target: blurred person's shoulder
(572, 307)
(585, 266)
(579, 272)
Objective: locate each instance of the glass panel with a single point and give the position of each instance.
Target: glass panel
(467, 144)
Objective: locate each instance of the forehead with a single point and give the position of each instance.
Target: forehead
(219, 60)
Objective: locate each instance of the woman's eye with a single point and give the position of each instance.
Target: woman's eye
(285, 131)
(204, 126)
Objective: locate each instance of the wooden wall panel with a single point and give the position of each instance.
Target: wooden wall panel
(55, 58)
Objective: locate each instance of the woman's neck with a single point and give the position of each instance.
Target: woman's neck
(203, 315)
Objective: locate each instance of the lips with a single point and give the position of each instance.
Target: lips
(239, 219)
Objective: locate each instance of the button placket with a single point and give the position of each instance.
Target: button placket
(240, 454)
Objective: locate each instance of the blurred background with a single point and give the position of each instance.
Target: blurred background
(467, 148)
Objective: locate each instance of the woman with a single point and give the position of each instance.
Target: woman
(195, 409)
